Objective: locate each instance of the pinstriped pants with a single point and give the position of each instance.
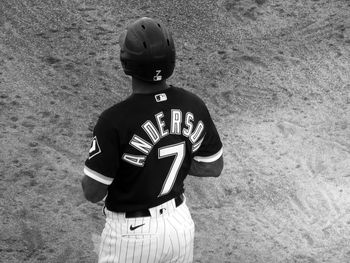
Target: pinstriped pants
(166, 236)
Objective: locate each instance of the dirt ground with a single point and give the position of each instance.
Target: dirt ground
(276, 77)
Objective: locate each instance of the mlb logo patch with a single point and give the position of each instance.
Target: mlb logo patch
(161, 97)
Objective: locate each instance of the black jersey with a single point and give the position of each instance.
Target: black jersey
(143, 147)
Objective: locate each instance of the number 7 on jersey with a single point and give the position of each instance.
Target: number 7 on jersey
(178, 151)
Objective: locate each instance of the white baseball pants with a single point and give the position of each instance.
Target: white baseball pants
(166, 236)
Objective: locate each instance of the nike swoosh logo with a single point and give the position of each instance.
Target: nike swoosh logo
(132, 228)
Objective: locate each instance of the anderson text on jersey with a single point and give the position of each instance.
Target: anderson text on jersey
(180, 124)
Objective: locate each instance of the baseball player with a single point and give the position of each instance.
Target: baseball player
(142, 150)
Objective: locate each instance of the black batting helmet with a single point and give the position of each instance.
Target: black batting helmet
(147, 50)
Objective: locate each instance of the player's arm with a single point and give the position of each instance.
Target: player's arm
(207, 169)
(101, 165)
(208, 159)
(94, 191)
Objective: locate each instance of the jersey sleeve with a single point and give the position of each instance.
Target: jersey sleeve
(103, 161)
(210, 146)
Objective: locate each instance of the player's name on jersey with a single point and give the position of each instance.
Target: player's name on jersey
(180, 124)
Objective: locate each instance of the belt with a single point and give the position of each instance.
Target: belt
(145, 212)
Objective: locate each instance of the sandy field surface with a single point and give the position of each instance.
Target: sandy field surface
(276, 77)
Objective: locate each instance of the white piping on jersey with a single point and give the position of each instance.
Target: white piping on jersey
(97, 176)
(209, 159)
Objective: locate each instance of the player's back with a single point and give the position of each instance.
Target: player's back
(156, 137)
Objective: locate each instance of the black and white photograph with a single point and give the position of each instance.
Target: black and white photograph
(179, 131)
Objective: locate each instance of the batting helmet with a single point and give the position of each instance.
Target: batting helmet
(147, 50)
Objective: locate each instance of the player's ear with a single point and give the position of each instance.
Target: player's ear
(122, 39)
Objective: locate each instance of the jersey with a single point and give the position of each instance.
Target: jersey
(143, 147)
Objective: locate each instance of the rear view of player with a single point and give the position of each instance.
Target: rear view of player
(142, 150)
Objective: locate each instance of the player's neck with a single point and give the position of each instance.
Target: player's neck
(139, 86)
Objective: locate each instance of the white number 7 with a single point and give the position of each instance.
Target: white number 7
(177, 150)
